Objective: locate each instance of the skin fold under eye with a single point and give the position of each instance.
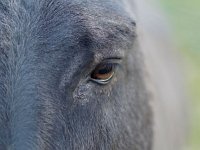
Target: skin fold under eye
(103, 73)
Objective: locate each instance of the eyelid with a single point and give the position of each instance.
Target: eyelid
(114, 60)
(103, 82)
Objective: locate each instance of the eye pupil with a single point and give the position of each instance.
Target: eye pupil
(106, 69)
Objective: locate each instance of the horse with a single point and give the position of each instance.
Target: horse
(88, 75)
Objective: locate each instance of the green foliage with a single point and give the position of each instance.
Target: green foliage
(185, 19)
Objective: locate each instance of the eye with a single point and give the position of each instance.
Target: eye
(103, 73)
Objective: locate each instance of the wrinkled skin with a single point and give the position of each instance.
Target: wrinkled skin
(48, 50)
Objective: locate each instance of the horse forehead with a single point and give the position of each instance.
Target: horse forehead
(83, 18)
(76, 12)
(94, 6)
(75, 7)
(87, 11)
(57, 21)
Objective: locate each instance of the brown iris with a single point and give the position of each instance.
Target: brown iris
(103, 72)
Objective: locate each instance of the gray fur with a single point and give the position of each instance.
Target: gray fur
(48, 48)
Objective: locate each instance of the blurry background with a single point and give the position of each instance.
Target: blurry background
(184, 17)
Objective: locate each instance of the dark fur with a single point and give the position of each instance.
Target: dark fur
(48, 48)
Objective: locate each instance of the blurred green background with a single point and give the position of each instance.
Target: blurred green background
(184, 17)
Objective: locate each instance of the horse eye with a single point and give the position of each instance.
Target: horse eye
(103, 73)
